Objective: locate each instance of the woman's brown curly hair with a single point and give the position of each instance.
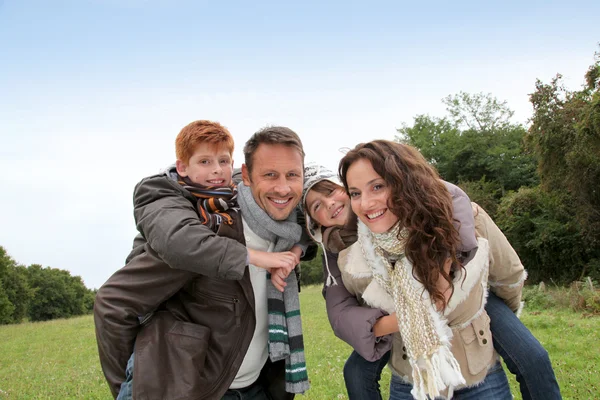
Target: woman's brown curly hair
(419, 198)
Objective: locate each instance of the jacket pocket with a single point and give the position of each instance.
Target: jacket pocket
(169, 358)
(477, 342)
(220, 306)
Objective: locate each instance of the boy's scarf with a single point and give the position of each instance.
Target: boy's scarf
(424, 331)
(285, 325)
(213, 202)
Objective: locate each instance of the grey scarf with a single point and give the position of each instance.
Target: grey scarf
(285, 326)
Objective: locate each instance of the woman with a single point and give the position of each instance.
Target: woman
(327, 205)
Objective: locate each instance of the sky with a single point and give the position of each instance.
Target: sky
(93, 93)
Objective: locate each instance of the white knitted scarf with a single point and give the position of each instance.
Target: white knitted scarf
(424, 330)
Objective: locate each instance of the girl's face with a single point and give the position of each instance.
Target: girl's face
(369, 195)
(331, 209)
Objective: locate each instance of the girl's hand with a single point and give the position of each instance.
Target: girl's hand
(386, 325)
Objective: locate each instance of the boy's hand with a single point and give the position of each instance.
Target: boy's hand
(278, 277)
(279, 265)
(270, 261)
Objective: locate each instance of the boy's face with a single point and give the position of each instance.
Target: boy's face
(276, 179)
(209, 165)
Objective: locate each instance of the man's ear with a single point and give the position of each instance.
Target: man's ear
(181, 168)
(246, 175)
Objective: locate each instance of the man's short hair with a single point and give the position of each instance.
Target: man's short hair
(198, 132)
(271, 135)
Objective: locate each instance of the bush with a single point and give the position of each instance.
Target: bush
(486, 194)
(579, 297)
(312, 271)
(543, 230)
(6, 307)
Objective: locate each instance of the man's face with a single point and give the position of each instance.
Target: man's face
(209, 165)
(276, 179)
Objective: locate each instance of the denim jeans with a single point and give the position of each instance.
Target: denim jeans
(362, 376)
(126, 391)
(523, 355)
(256, 392)
(494, 387)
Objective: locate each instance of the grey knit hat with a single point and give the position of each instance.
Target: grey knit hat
(313, 174)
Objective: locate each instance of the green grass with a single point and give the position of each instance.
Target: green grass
(58, 359)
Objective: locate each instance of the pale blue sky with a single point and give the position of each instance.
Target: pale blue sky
(93, 93)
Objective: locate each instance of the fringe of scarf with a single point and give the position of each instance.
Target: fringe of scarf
(424, 331)
(213, 202)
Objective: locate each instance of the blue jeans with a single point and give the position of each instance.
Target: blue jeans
(126, 391)
(494, 387)
(362, 376)
(523, 355)
(256, 392)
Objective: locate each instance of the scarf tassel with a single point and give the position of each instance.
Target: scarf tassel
(433, 375)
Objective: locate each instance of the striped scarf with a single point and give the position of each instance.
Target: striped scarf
(285, 325)
(213, 202)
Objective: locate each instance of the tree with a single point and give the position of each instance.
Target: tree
(565, 135)
(15, 286)
(6, 307)
(475, 142)
(57, 295)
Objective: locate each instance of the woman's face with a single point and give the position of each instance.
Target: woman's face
(331, 209)
(369, 195)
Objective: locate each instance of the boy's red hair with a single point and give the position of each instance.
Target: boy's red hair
(198, 132)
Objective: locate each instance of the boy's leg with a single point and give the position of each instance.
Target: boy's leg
(126, 391)
(362, 376)
(524, 356)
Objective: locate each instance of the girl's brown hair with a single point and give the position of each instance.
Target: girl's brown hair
(419, 198)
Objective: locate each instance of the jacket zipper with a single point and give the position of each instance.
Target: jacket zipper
(227, 362)
(234, 300)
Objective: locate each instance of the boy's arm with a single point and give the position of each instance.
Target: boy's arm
(171, 226)
(133, 291)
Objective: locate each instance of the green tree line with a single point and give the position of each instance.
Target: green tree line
(40, 294)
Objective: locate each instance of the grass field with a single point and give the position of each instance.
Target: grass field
(58, 359)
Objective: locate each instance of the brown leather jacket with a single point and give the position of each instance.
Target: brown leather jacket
(193, 343)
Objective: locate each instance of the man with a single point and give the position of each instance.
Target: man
(208, 332)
